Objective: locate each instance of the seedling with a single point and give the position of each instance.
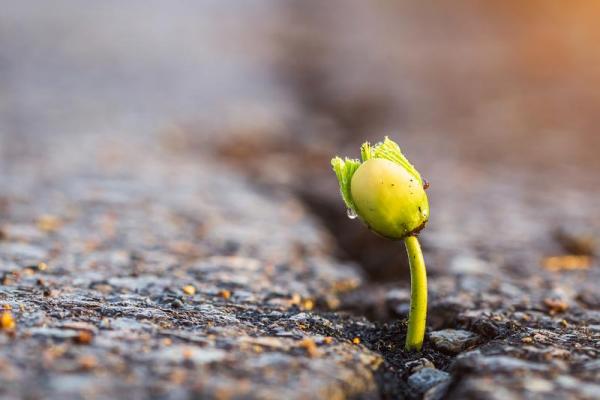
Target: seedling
(388, 194)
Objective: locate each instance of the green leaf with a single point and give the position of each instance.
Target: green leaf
(344, 170)
(390, 150)
(366, 152)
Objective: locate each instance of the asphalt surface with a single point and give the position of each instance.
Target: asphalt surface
(169, 227)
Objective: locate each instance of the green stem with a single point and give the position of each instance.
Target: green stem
(418, 295)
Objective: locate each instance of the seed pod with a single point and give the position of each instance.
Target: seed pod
(389, 199)
(385, 190)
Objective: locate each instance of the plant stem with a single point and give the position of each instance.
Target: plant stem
(418, 295)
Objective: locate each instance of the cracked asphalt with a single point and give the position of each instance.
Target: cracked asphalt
(170, 229)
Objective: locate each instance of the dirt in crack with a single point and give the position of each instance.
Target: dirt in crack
(387, 339)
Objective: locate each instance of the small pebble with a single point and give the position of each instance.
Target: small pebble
(310, 346)
(189, 290)
(308, 304)
(176, 303)
(87, 362)
(568, 262)
(453, 340)
(84, 337)
(415, 365)
(555, 305)
(7, 321)
(48, 223)
(426, 378)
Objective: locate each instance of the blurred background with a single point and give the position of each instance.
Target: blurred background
(496, 103)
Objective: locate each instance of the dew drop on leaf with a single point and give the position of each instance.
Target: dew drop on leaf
(351, 213)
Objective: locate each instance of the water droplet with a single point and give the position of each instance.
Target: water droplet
(351, 213)
(425, 184)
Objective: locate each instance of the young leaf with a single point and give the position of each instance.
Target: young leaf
(390, 150)
(344, 170)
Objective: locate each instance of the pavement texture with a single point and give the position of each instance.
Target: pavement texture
(170, 229)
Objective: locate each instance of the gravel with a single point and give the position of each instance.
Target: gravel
(144, 256)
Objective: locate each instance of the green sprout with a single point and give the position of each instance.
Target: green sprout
(388, 194)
